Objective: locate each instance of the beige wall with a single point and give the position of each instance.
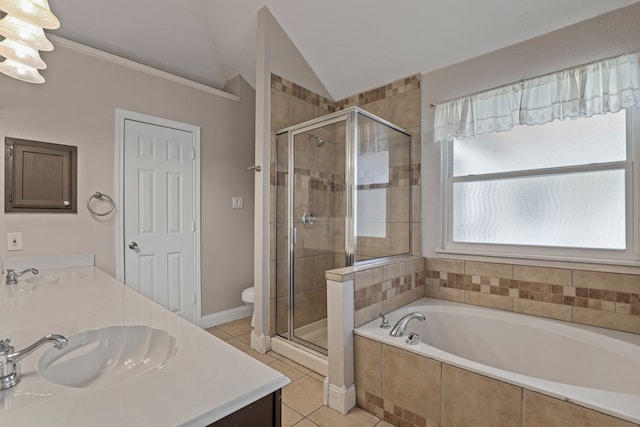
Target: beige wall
(607, 35)
(76, 106)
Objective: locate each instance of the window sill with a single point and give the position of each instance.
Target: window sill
(604, 265)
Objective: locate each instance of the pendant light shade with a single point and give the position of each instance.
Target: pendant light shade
(22, 36)
(36, 12)
(18, 52)
(21, 72)
(25, 33)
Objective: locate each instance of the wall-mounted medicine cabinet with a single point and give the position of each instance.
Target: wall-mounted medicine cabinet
(40, 176)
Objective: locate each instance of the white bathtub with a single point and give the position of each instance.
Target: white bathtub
(592, 367)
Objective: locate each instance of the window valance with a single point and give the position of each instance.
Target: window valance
(595, 88)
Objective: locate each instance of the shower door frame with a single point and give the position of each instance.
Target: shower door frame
(350, 117)
(293, 131)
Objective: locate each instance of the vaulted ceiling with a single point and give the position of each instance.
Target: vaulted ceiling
(352, 45)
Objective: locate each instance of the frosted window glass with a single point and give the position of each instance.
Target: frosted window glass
(585, 210)
(372, 212)
(598, 139)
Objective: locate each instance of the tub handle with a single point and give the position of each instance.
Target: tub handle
(385, 323)
(413, 339)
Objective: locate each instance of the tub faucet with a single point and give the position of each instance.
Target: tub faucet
(12, 276)
(9, 368)
(399, 328)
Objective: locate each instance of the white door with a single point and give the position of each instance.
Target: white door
(159, 217)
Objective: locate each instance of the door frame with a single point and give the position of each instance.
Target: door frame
(121, 117)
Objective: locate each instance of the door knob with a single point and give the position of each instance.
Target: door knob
(133, 245)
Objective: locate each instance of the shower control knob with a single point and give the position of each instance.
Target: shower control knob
(308, 219)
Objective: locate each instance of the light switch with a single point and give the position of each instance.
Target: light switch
(237, 202)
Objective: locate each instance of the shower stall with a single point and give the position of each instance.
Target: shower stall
(342, 198)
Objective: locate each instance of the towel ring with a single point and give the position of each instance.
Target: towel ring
(99, 195)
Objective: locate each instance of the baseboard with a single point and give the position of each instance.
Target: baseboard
(226, 316)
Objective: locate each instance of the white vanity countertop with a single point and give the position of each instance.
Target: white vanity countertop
(206, 380)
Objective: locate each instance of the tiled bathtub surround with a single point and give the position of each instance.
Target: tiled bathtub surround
(608, 300)
(405, 389)
(381, 289)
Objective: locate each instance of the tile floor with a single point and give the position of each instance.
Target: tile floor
(302, 398)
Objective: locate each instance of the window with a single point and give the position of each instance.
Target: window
(562, 189)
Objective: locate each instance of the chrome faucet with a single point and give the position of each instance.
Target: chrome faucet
(399, 328)
(9, 368)
(12, 276)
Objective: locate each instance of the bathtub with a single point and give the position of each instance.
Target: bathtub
(592, 367)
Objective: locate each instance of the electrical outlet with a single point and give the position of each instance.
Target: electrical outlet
(14, 241)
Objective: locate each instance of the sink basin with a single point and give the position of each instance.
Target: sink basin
(104, 356)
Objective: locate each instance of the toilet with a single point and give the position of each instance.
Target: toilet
(248, 297)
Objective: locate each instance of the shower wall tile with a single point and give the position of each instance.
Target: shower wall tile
(416, 238)
(301, 111)
(381, 108)
(319, 304)
(405, 109)
(280, 111)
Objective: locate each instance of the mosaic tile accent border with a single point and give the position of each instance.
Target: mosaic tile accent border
(297, 91)
(593, 298)
(400, 176)
(393, 414)
(382, 92)
(390, 89)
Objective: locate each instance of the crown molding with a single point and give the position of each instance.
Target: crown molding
(96, 53)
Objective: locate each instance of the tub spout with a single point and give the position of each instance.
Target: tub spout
(399, 328)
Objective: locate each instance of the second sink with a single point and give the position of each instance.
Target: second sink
(102, 356)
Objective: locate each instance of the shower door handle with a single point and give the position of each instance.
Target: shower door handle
(294, 233)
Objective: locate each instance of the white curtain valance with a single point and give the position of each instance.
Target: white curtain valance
(596, 88)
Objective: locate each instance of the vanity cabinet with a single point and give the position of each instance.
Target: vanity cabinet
(265, 412)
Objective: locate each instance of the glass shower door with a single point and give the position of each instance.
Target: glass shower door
(317, 220)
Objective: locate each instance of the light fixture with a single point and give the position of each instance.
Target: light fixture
(22, 35)
(35, 12)
(20, 53)
(20, 71)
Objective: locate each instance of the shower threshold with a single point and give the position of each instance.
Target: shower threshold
(304, 356)
(314, 333)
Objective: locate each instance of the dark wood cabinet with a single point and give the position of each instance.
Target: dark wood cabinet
(265, 412)
(40, 176)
